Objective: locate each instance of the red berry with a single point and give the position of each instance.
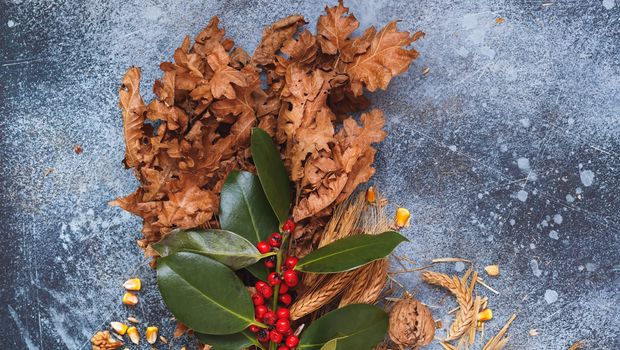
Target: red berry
(275, 336)
(260, 311)
(263, 336)
(283, 289)
(290, 262)
(283, 313)
(270, 318)
(283, 325)
(288, 226)
(260, 284)
(254, 328)
(285, 299)
(258, 299)
(263, 247)
(270, 262)
(282, 347)
(266, 291)
(275, 240)
(292, 341)
(289, 332)
(290, 278)
(274, 279)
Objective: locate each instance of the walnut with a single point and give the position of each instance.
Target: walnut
(411, 324)
(103, 341)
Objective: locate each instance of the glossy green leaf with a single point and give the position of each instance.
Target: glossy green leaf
(244, 209)
(258, 270)
(350, 253)
(224, 246)
(272, 173)
(204, 294)
(235, 341)
(357, 326)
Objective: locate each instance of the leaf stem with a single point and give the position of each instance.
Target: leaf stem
(276, 289)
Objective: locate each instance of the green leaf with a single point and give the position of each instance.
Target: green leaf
(272, 174)
(357, 326)
(235, 341)
(224, 246)
(350, 253)
(259, 271)
(204, 294)
(244, 209)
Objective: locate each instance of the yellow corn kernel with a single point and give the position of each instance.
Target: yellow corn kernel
(492, 270)
(402, 217)
(130, 299)
(485, 315)
(119, 327)
(371, 195)
(133, 334)
(151, 334)
(133, 284)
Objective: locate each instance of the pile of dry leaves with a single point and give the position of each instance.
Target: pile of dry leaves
(183, 144)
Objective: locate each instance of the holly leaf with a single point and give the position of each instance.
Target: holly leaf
(271, 172)
(350, 253)
(244, 208)
(204, 294)
(357, 326)
(224, 246)
(235, 341)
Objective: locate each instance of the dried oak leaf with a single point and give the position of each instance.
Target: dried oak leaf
(224, 75)
(133, 109)
(334, 28)
(386, 57)
(274, 37)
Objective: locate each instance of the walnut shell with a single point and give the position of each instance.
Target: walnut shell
(411, 324)
(103, 341)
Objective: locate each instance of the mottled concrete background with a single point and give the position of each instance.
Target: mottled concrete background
(507, 152)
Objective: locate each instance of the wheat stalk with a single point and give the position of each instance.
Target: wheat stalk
(466, 315)
(499, 340)
(367, 286)
(322, 292)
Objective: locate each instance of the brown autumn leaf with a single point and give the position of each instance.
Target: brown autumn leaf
(334, 28)
(301, 88)
(274, 37)
(386, 57)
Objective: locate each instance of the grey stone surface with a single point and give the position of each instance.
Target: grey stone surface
(506, 152)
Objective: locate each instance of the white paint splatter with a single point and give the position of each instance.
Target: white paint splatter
(554, 235)
(551, 296)
(532, 246)
(523, 164)
(535, 270)
(459, 266)
(609, 4)
(10, 23)
(152, 12)
(557, 218)
(587, 177)
(503, 148)
(452, 148)
(570, 198)
(522, 195)
(525, 122)
(578, 190)
(512, 222)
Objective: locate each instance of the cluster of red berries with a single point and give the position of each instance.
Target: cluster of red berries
(279, 329)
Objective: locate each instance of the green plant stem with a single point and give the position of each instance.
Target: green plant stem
(276, 289)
